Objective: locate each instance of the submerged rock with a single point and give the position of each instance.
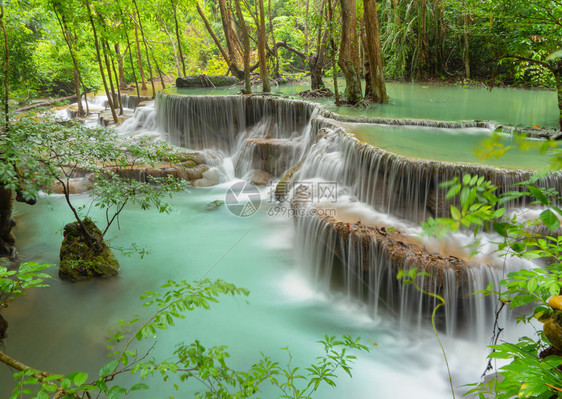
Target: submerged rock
(214, 205)
(82, 258)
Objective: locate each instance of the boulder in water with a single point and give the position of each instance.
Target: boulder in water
(210, 178)
(261, 178)
(81, 257)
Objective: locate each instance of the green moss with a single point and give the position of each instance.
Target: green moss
(81, 258)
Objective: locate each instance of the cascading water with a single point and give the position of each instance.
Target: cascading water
(273, 134)
(343, 259)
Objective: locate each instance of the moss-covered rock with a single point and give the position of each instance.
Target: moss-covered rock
(82, 258)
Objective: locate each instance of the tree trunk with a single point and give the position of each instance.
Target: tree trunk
(377, 88)
(109, 76)
(246, 43)
(178, 38)
(98, 53)
(262, 40)
(334, 50)
(67, 38)
(7, 239)
(558, 76)
(466, 46)
(6, 69)
(349, 53)
(121, 66)
(230, 37)
(145, 48)
(176, 58)
(275, 52)
(129, 47)
(119, 98)
(316, 62)
(232, 67)
(423, 46)
(139, 57)
(157, 68)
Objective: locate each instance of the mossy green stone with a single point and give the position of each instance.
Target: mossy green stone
(79, 257)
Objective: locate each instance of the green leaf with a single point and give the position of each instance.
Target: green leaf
(139, 387)
(521, 300)
(116, 392)
(455, 213)
(538, 195)
(108, 368)
(549, 219)
(80, 378)
(500, 228)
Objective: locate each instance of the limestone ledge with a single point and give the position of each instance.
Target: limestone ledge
(192, 168)
(401, 251)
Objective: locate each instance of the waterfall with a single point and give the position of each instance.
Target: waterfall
(361, 259)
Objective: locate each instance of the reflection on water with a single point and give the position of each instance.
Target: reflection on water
(444, 103)
(447, 145)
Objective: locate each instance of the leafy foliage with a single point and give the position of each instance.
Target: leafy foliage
(13, 284)
(41, 152)
(527, 375)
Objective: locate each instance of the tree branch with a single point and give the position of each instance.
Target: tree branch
(538, 62)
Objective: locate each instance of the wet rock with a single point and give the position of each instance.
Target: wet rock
(261, 178)
(82, 257)
(196, 172)
(209, 178)
(271, 155)
(105, 118)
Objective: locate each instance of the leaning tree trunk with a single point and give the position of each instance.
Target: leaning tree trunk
(67, 37)
(349, 53)
(230, 38)
(246, 43)
(231, 65)
(377, 88)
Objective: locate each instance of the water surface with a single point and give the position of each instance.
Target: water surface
(63, 328)
(438, 102)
